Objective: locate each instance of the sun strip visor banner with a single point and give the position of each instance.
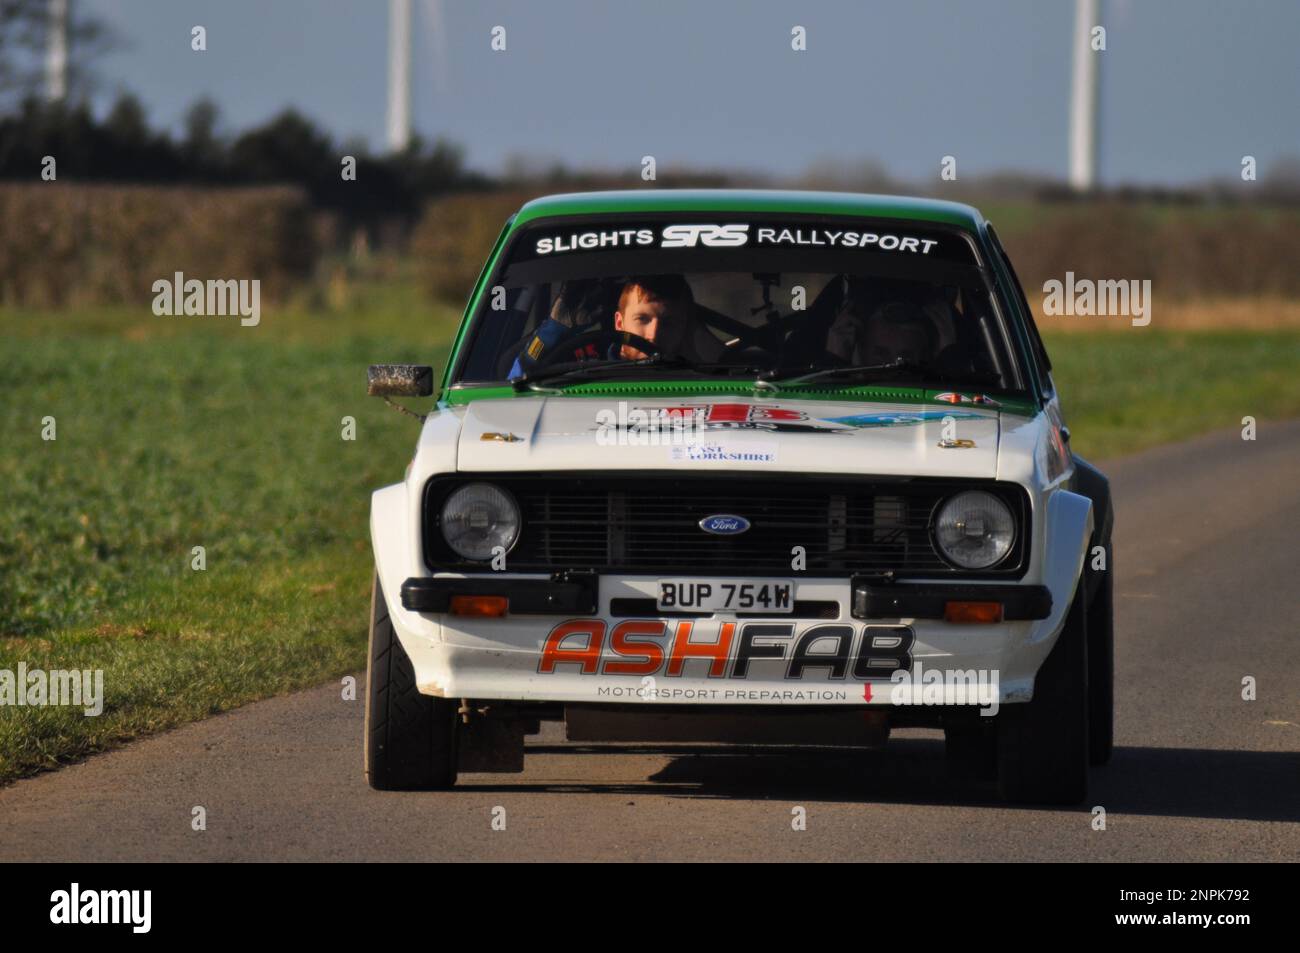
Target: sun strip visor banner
(865, 235)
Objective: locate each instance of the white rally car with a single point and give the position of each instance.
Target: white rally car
(749, 467)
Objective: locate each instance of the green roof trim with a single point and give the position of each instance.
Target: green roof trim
(758, 201)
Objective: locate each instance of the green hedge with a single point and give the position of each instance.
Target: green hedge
(68, 245)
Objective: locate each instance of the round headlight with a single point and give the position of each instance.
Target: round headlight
(477, 518)
(974, 530)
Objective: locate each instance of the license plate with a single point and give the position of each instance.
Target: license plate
(726, 595)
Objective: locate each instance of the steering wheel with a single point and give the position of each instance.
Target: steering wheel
(754, 337)
(603, 339)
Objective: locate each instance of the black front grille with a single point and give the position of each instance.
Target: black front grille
(639, 523)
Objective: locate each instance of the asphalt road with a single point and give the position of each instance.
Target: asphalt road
(1206, 550)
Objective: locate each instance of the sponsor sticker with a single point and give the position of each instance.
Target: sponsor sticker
(952, 398)
(845, 238)
(723, 453)
(696, 422)
(706, 235)
(727, 650)
(902, 418)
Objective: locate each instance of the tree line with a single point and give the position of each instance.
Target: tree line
(289, 149)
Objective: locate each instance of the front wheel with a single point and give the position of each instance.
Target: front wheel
(1101, 667)
(410, 739)
(1042, 745)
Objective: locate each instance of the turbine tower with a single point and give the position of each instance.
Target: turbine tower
(1083, 100)
(56, 52)
(399, 74)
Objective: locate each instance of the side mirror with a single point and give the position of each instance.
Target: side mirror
(399, 380)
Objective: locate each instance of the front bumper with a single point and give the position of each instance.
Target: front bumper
(562, 594)
(582, 638)
(502, 657)
(577, 593)
(930, 600)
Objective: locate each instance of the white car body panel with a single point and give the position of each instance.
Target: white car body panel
(498, 658)
(560, 433)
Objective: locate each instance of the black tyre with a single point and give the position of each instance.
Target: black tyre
(1101, 667)
(970, 748)
(410, 738)
(1043, 745)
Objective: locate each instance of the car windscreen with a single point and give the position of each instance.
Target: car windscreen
(856, 298)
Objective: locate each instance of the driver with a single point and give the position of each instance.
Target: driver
(898, 331)
(882, 326)
(659, 308)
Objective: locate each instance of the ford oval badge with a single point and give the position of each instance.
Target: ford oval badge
(724, 524)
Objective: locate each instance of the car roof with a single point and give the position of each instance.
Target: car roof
(752, 200)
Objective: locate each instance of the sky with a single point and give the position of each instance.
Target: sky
(1188, 86)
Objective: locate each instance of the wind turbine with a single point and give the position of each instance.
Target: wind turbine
(1083, 100)
(56, 52)
(399, 74)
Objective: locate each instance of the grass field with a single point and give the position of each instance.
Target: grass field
(175, 433)
(181, 432)
(1123, 392)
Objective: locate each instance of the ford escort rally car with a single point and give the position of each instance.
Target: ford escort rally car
(751, 467)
